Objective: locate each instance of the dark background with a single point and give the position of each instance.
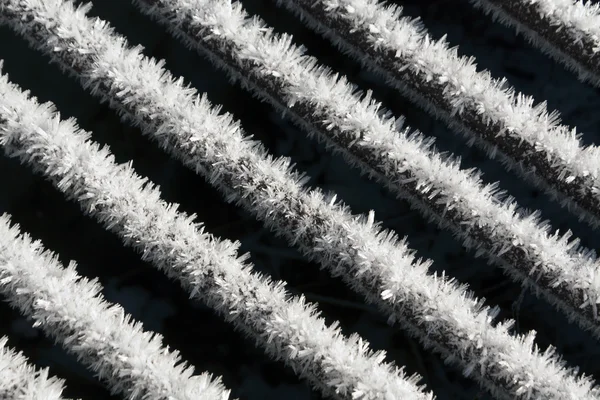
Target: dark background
(203, 339)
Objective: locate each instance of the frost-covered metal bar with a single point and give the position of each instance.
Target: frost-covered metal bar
(567, 30)
(328, 107)
(211, 270)
(528, 139)
(71, 310)
(20, 380)
(440, 313)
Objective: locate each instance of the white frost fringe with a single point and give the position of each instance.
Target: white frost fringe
(373, 262)
(527, 138)
(71, 310)
(567, 30)
(19, 380)
(287, 327)
(328, 106)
